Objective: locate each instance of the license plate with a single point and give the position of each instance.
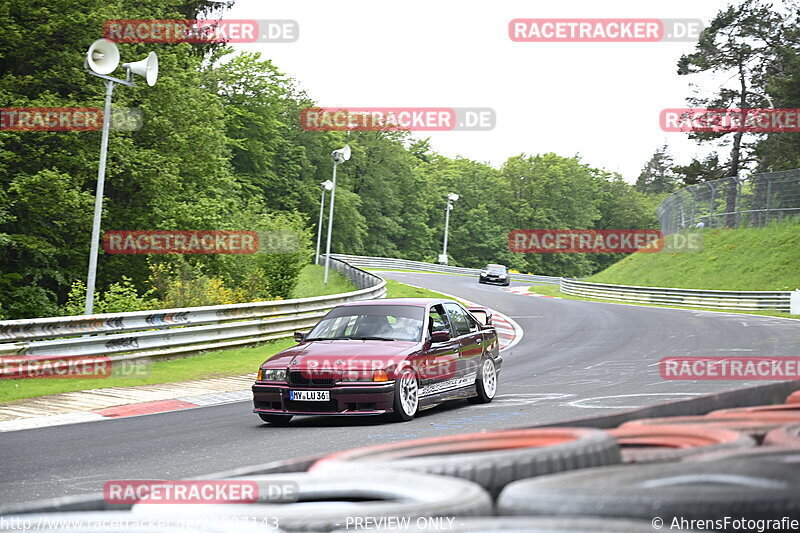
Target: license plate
(310, 395)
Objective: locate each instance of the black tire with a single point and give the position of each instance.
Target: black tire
(787, 436)
(654, 444)
(699, 491)
(484, 395)
(773, 454)
(374, 494)
(276, 420)
(493, 459)
(402, 411)
(528, 524)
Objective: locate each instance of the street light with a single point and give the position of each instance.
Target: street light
(102, 59)
(452, 197)
(339, 156)
(326, 185)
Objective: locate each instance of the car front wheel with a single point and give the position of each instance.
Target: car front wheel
(406, 396)
(486, 384)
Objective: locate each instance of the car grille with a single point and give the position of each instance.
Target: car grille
(301, 378)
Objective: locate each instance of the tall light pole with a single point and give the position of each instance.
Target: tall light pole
(102, 59)
(326, 185)
(339, 156)
(452, 197)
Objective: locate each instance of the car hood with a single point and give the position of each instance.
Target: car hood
(341, 353)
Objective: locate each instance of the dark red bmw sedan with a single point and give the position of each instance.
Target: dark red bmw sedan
(382, 356)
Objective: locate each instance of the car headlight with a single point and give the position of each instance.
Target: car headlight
(272, 374)
(483, 272)
(503, 276)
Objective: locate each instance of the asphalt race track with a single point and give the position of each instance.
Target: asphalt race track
(575, 359)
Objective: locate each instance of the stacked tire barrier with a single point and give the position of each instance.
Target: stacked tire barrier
(730, 469)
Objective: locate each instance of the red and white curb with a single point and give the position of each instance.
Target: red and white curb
(508, 332)
(122, 402)
(523, 291)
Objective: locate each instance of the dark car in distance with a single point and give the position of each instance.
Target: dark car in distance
(493, 273)
(382, 356)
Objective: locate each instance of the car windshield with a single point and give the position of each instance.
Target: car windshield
(494, 269)
(371, 322)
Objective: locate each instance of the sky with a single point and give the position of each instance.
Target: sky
(597, 100)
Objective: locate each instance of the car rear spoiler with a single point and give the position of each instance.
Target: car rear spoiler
(482, 314)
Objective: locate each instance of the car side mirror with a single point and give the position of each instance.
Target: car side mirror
(440, 336)
(483, 316)
(299, 336)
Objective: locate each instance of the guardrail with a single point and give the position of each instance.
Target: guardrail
(383, 263)
(787, 301)
(166, 332)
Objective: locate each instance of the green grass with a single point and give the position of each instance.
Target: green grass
(395, 289)
(208, 365)
(310, 283)
(749, 259)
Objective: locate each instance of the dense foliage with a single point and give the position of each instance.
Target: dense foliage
(221, 148)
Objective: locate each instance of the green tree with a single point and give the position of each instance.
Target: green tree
(657, 175)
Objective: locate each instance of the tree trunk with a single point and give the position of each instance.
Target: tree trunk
(732, 187)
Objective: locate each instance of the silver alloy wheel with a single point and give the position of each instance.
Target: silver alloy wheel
(489, 378)
(409, 393)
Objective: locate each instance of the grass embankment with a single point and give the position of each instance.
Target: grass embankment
(221, 363)
(309, 283)
(749, 259)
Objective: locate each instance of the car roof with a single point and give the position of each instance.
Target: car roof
(495, 265)
(414, 302)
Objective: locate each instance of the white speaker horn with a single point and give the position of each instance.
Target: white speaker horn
(103, 56)
(342, 154)
(147, 67)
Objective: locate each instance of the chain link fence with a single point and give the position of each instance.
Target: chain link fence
(732, 202)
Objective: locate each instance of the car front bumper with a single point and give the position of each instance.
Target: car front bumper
(492, 279)
(345, 399)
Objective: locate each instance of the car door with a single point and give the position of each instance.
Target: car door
(440, 361)
(470, 341)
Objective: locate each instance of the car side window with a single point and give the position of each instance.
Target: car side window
(474, 325)
(459, 319)
(438, 320)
